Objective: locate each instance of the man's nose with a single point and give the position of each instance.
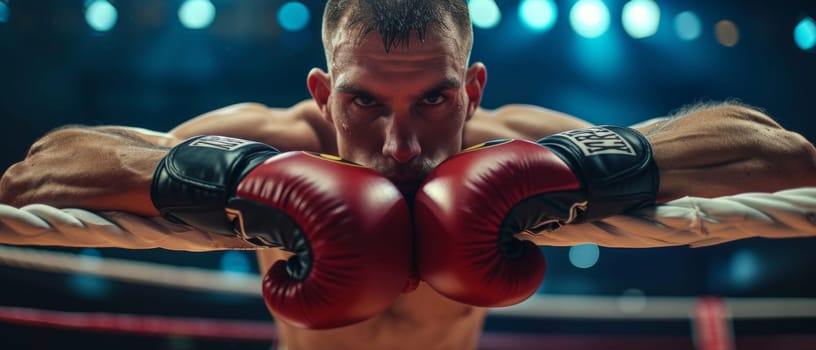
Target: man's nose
(401, 142)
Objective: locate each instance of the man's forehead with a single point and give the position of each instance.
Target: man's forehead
(351, 45)
(435, 49)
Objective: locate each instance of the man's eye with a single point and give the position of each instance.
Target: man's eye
(364, 101)
(434, 100)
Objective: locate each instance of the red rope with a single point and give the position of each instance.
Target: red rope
(144, 325)
(712, 331)
(712, 326)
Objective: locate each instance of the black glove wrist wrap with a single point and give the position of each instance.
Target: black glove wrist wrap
(614, 164)
(193, 183)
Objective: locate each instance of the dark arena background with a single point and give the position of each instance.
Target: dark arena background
(156, 63)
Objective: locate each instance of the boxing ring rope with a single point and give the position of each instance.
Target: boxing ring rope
(247, 284)
(142, 325)
(698, 222)
(140, 272)
(693, 221)
(710, 316)
(714, 329)
(685, 221)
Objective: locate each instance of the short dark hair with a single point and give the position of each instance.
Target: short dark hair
(397, 20)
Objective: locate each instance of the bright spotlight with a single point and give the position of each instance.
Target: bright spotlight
(100, 15)
(805, 34)
(293, 16)
(196, 14)
(687, 25)
(485, 14)
(4, 12)
(589, 18)
(538, 15)
(584, 256)
(641, 18)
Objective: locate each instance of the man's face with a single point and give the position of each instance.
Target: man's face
(403, 112)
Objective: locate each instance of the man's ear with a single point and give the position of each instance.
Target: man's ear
(319, 86)
(475, 80)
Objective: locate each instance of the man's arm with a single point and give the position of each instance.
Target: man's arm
(724, 149)
(96, 168)
(707, 150)
(111, 167)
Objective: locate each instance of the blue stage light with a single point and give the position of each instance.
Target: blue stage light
(804, 34)
(538, 15)
(484, 14)
(100, 15)
(234, 261)
(589, 18)
(89, 286)
(5, 13)
(641, 18)
(744, 269)
(584, 256)
(687, 25)
(196, 14)
(293, 16)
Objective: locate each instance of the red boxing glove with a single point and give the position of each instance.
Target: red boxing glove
(350, 230)
(470, 207)
(349, 227)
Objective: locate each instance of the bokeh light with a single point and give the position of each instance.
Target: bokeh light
(538, 15)
(5, 12)
(804, 34)
(641, 18)
(727, 33)
(100, 15)
(484, 14)
(632, 301)
(196, 14)
(589, 18)
(89, 286)
(235, 261)
(744, 268)
(293, 16)
(687, 25)
(584, 256)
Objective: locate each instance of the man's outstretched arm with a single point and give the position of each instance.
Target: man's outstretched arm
(706, 150)
(96, 168)
(725, 149)
(110, 168)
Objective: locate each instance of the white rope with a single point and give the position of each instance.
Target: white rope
(652, 307)
(539, 306)
(40, 224)
(697, 222)
(686, 221)
(190, 278)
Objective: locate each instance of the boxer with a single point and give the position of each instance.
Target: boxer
(400, 97)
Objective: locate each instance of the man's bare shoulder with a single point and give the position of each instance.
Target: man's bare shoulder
(298, 127)
(518, 121)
